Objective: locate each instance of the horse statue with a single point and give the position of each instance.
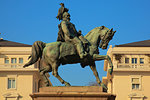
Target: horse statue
(57, 53)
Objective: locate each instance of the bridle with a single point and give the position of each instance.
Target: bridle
(103, 39)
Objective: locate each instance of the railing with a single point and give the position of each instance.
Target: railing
(138, 66)
(13, 66)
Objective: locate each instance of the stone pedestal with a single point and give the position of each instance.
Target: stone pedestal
(72, 93)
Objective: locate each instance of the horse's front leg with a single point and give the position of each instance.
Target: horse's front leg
(93, 68)
(98, 57)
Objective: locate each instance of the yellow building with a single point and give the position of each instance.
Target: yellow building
(131, 76)
(16, 82)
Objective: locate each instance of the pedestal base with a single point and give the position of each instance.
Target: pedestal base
(72, 93)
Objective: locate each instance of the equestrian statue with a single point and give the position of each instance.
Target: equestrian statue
(71, 47)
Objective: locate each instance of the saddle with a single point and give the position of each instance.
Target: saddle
(68, 49)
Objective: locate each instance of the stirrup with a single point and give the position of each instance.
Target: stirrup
(82, 55)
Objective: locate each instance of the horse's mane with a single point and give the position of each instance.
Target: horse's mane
(93, 30)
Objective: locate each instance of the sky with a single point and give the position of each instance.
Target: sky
(27, 21)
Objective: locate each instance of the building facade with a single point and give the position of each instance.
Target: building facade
(131, 76)
(16, 82)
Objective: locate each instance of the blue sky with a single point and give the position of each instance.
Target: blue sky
(26, 21)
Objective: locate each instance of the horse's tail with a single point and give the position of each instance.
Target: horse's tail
(37, 49)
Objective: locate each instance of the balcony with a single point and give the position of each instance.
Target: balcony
(14, 66)
(135, 66)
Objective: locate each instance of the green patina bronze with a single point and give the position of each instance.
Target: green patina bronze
(57, 53)
(71, 47)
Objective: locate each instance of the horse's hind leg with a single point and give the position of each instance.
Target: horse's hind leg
(43, 72)
(55, 73)
(46, 80)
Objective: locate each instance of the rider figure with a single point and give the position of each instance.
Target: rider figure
(71, 35)
(61, 10)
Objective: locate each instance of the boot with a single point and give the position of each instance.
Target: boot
(81, 51)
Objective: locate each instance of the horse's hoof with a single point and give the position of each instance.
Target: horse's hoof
(47, 85)
(110, 71)
(42, 73)
(104, 86)
(67, 84)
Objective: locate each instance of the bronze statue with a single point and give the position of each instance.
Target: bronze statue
(57, 53)
(70, 49)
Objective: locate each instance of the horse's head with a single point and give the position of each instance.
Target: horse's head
(105, 36)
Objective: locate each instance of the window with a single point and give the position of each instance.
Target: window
(126, 60)
(11, 83)
(141, 60)
(135, 86)
(6, 60)
(135, 83)
(13, 60)
(20, 60)
(134, 60)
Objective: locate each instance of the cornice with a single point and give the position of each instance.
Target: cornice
(16, 52)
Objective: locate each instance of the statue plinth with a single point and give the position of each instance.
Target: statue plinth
(72, 93)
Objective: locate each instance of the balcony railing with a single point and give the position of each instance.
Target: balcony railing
(13, 66)
(139, 66)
